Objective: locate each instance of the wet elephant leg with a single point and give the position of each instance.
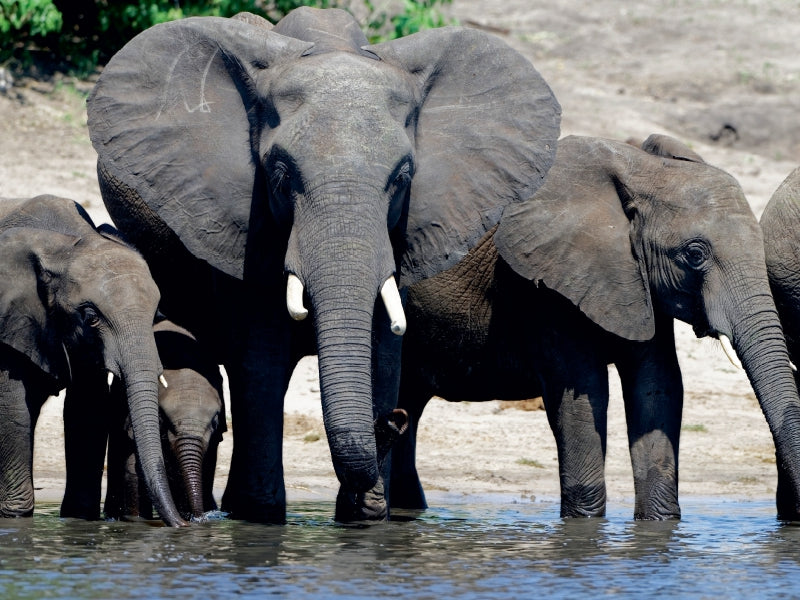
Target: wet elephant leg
(22, 394)
(405, 487)
(86, 429)
(258, 377)
(575, 391)
(653, 392)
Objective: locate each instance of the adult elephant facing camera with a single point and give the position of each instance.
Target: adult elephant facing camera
(592, 270)
(232, 154)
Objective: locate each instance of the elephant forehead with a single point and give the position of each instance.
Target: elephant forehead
(343, 88)
(114, 268)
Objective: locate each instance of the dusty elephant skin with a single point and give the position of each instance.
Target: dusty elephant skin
(74, 305)
(234, 154)
(592, 270)
(192, 423)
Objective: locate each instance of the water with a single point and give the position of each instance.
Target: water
(491, 550)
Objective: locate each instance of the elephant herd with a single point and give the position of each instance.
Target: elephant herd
(405, 211)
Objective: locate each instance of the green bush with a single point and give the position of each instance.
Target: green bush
(29, 17)
(79, 35)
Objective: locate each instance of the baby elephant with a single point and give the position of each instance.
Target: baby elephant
(192, 423)
(75, 304)
(592, 270)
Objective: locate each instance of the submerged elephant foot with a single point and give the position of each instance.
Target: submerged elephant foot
(371, 505)
(583, 501)
(785, 499)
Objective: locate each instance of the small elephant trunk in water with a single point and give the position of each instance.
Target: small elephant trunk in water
(190, 452)
(371, 505)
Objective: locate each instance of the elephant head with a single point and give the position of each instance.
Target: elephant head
(636, 232)
(370, 162)
(193, 416)
(71, 295)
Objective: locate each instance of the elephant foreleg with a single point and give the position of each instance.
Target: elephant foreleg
(575, 394)
(86, 425)
(653, 392)
(258, 378)
(16, 448)
(405, 487)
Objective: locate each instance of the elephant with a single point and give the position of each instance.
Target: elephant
(74, 305)
(592, 270)
(271, 173)
(192, 411)
(780, 222)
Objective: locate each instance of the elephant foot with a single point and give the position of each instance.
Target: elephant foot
(583, 501)
(407, 493)
(248, 508)
(785, 499)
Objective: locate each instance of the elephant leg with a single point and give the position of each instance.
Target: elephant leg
(258, 379)
(86, 427)
(406, 488)
(19, 410)
(653, 392)
(575, 391)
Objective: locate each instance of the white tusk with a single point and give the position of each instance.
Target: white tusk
(727, 347)
(793, 366)
(394, 306)
(110, 378)
(163, 380)
(294, 298)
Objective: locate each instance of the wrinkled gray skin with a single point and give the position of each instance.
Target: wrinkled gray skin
(592, 270)
(192, 424)
(780, 224)
(232, 154)
(74, 305)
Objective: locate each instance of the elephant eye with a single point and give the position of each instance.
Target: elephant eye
(89, 316)
(696, 254)
(403, 175)
(280, 181)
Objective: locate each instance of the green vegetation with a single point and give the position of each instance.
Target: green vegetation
(529, 462)
(79, 35)
(699, 427)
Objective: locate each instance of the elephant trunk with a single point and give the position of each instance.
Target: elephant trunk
(190, 452)
(140, 376)
(343, 317)
(759, 342)
(342, 254)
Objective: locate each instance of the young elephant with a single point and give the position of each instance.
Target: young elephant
(192, 424)
(592, 270)
(74, 305)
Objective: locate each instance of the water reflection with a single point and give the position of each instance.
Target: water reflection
(471, 551)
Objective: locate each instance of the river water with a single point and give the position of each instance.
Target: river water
(482, 550)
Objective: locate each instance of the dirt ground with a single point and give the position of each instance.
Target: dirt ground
(721, 75)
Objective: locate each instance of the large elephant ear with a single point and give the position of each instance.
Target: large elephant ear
(573, 236)
(486, 136)
(170, 118)
(29, 264)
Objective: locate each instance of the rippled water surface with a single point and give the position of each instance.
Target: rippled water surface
(492, 550)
